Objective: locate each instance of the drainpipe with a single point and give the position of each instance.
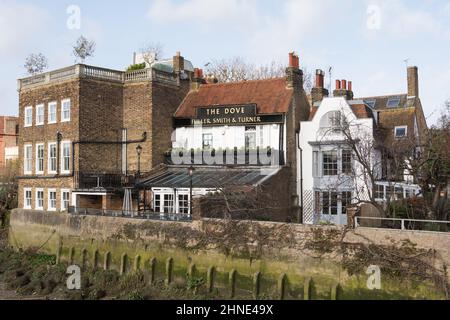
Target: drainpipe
(58, 152)
(300, 218)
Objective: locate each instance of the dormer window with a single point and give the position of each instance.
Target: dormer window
(393, 103)
(401, 132)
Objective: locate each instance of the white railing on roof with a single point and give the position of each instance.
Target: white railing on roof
(85, 71)
(138, 75)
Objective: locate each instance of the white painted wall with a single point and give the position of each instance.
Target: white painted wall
(311, 131)
(267, 135)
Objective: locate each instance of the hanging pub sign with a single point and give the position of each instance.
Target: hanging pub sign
(244, 114)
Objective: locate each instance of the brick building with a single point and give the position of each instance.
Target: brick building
(9, 136)
(80, 127)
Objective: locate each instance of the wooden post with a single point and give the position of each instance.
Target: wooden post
(59, 251)
(71, 255)
(308, 289)
(137, 263)
(107, 261)
(191, 271)
(210, 278)
(256, 284)
(232, 282)
(336, 291)
(96, 259)
(123, 264)
(84, 256)
(282, 286)
(169, 271)
(152, 270)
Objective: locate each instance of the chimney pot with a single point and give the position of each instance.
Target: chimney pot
(338, 85)
(350, 86)
(294, 61)
(344, 84)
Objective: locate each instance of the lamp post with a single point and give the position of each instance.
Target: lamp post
(138, 152)
(190, 173)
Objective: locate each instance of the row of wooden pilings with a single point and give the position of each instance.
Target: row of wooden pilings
(210, 275)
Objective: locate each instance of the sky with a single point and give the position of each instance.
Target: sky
(369, 42)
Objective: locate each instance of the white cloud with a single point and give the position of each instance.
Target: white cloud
(401, 20)
(202, 11)
(19, 23)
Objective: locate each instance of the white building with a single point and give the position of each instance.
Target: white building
(331, 178)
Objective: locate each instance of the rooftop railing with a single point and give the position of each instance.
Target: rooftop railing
(92, 72)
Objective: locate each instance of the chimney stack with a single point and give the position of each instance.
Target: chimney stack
(413, 82)
(294, 76)
(319, 92)
(178, 63)
(344, 89)
(197, 79)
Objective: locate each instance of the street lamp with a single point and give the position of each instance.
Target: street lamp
(138, 152)
(191, 170)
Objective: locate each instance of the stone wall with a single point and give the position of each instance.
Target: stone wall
(272, 249)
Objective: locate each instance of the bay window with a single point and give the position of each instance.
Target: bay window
(330, 163)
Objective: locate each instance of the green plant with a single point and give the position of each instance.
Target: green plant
(137, 66)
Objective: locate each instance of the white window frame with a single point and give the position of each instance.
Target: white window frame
(400, 127)
(63, 143)
(25, 206)
(63, 119)
(36, 203)
(40, 107)
(51, 104)
(63, 191)
(30, 118)
(49, 162)
(37, 158)
(49, 200)
(27, 170)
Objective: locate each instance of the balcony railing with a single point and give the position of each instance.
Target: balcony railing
(100, 180)
(230, 157)
(92, 72)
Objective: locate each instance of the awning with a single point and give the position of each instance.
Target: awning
(206, 177)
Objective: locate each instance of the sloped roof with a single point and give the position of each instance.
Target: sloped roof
(380, 102)
(361, 111)
(271, 96)
(206, 177)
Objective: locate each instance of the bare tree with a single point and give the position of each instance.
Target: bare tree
(152, 52)
(237, 69)
(36, 63)
(83, 49)
(8, 190)
(423, 160)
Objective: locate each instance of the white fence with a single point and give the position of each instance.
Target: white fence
(403, 224)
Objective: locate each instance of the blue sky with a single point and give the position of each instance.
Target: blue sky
(365, 41)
